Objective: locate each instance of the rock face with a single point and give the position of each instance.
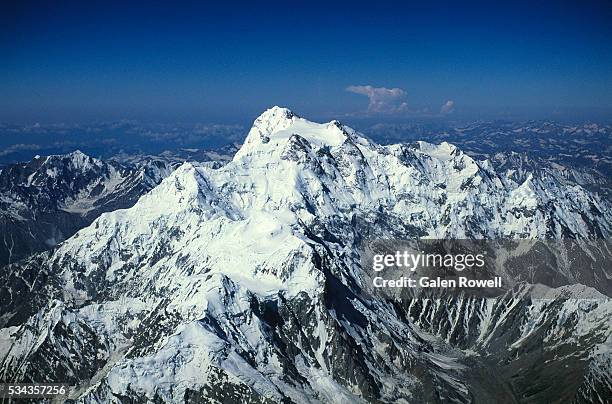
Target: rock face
(244, 283)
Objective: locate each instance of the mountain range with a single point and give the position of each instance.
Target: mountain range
(243, 281)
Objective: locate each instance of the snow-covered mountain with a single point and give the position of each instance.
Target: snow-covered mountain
(46, 200)
(585, 145)
(582, 151)
(244, 283)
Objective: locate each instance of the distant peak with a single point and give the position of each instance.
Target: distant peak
(77, 159)
(80, 159)
(74, 155)
(77, 153)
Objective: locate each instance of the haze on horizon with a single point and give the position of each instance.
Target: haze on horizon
(79, 62)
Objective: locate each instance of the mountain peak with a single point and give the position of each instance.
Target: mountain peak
(275, 113)
(275, 126)
(82, 161)
(274, 119)
(77, 153)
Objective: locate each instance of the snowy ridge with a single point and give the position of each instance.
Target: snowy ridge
(246, 279)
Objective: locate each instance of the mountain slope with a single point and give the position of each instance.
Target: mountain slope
(46, 200)
(244, 282)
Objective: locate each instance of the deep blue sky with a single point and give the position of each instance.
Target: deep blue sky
(78, 62)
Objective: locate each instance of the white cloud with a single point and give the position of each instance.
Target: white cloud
(17, 148)
(447, 107)
(382, 100)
